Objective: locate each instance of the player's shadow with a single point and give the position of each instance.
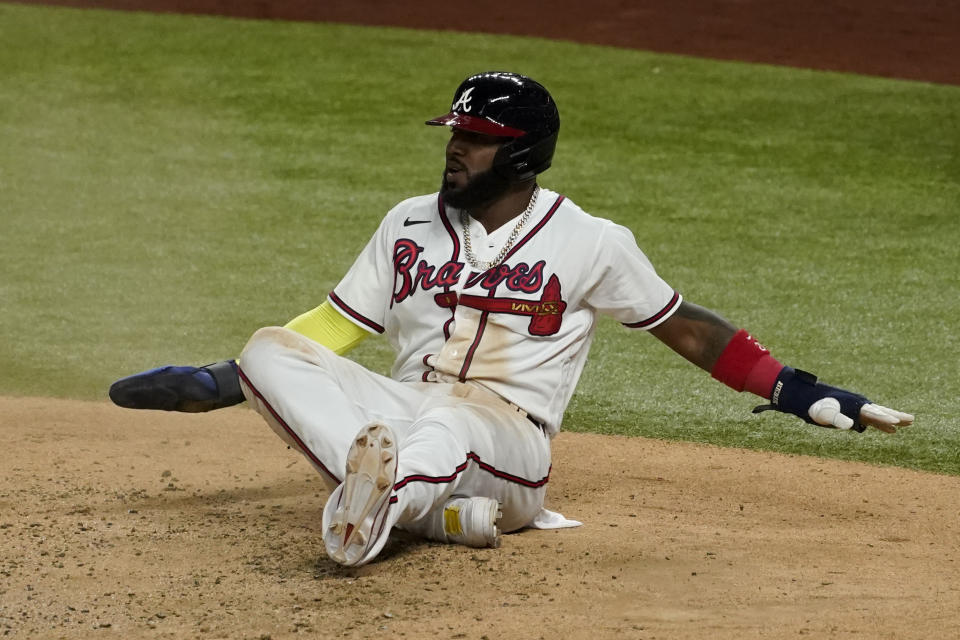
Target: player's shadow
(289, 506)
(400, 547)
(172, 498)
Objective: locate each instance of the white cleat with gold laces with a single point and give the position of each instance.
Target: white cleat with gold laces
(472, 522)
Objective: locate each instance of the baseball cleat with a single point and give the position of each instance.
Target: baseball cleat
(355, 517)
(472, 521)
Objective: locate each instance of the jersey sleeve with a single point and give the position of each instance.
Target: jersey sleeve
(364, 293)
(628, 288)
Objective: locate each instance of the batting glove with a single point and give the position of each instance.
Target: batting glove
(798, 392)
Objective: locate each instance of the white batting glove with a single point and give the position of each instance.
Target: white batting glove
(826, 412)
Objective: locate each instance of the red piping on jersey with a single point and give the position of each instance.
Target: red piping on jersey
(367, 322)
(442, 210)
(475, 276)
(276, 416)
(657, 316)
(536, 229)
(481, 327)
(483, 316)
(454, 257)
(471, 456)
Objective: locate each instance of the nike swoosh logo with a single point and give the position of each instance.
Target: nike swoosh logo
(409, 223)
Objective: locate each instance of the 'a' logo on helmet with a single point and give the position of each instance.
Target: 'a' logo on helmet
(463, 102)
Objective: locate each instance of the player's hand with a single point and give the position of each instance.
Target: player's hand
(826, 412)
(801, 394)
(186, 389)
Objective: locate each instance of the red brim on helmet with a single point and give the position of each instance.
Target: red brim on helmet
(477, 125)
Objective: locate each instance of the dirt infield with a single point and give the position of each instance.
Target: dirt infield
(124, 524)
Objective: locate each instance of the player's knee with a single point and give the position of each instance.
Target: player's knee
(259, 343)
(262, 351)
(272, 350)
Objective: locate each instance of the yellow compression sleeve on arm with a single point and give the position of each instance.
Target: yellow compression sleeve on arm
(327, 326)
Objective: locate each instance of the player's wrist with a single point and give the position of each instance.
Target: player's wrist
(227, 380)
(746, 365)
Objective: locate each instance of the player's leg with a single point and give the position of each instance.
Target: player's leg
(397, 469)
(454, 475)
(470, 445)
(357, 518)
(317, 401)
(473, 450)
(464, 464)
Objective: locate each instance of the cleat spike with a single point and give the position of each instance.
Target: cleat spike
(359, 507)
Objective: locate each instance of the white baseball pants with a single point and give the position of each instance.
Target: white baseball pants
(455, 439)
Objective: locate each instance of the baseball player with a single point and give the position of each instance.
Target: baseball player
(489, 292)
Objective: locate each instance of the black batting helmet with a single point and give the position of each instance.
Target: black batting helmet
(507, 104)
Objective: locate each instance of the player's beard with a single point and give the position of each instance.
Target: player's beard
(481, 190)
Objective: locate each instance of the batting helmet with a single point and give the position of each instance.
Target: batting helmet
(512, 106)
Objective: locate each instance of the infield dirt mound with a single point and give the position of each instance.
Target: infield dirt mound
(126, 524)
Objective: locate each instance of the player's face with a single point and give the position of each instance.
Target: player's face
(468, 177)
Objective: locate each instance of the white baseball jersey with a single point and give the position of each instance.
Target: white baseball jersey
(522, 329)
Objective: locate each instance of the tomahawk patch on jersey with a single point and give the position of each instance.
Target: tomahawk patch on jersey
(521, 329)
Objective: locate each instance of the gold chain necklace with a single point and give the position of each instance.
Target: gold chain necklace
(468, 247)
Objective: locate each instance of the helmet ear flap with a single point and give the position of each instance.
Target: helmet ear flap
(519, 162)
(511, 162)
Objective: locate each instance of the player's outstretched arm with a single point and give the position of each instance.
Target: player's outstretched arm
(735, 358)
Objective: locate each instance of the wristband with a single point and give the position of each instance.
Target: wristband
(746, 365)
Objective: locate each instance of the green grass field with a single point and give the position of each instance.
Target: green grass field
(168, 184)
